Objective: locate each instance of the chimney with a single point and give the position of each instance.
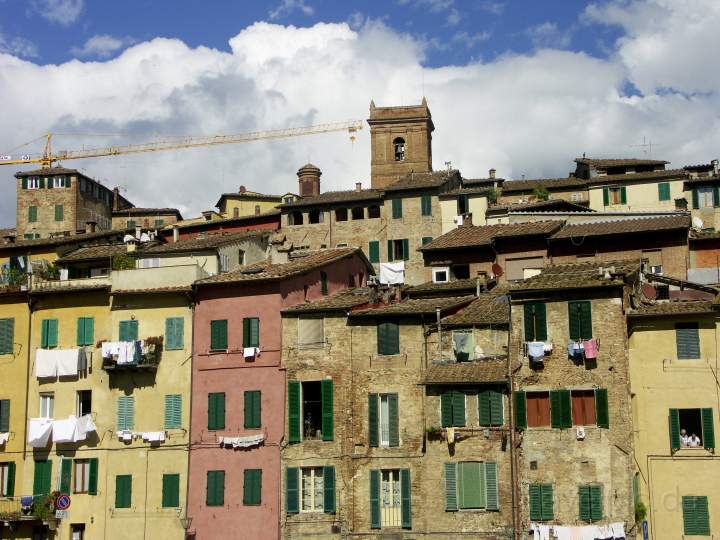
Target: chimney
(242, 189)
(90, 226)
(131, 246)
(138, 232)
(491, 174)
(309, 180)
(176, 233)
(358, 186)
(116, 199)
(715, 166)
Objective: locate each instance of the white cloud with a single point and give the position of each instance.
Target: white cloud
(287, 7)
(18, 46)
(453, 18)
(63, 12)
(102, 46)
(548, 35)
(496, 8)
(470, 40)
(522, 114)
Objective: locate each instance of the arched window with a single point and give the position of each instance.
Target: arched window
(399, 145)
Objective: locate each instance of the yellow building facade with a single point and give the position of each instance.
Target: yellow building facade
(673, 354)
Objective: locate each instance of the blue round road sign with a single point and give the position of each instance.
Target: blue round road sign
(62, 502)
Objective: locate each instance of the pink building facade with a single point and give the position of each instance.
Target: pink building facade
(235, 487)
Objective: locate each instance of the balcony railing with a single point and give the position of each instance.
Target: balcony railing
(39, 284)
(147, 361)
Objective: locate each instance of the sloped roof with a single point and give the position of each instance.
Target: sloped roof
(492, 308)
(210, 241)
(511, 186)
(91, 253)
(549, 205)
(330, 197)
(51, 171)
(267, 271)
(484, 235)
(688, 307)
(225, 221)
(420, 180)
(481, 371)
(430, 288)
(623, 226)
(414, 306)
(622, 162)
(134, 211)
(584, 275)
(639, 176)
(62, 240)
(337, 302)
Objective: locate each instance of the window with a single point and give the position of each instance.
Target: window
(583, 407)
(236, 212)
(654, 260)
(59, 212)
(461, 271)
(316, 216)
(31, 236)
(215, 488)
(296, 218)
(310, 489)
(490, 407)
(323, 283)
(311, 332)
(252, 487)
(390, 502)
(374, 251)
(614, 195)
(216, 410)
(310, 410)
(84, 402)
(341, 214)
(288, 199)
(696, 518)
(60, 182)
(49, 334)
(81, 476)
(219, 335)
(399, 149)
(426, 205)
(463, 345)
(42, 480)
(373, 212)
(241, 257)
(452, 408)
(591, 503)
(426, 240)
(257, 209)
(7, 336)
(397, 208)
(131, 224)
(174, 333)
(4, 415)
(47, 405)
(32, 214)
(128, 330)
(7, 479)
(150, 263)
(86, 331)
(441, 275)
(706, 197)
(577, 196)
(253, 409)
(471, 485)
(224, 262)
(123, 491)
(580, 320)
(535, 321)
(126, 413)
(538, 409)
(542, 504)
(388, 338)
(562, 408)
(523, 267)
(462, 205)
(173, 411)
(34, 182)
(398, 250)
(692, 428)
(251, 332)
(78, 531)
(687, 338)
(358, 212)
(383, 420)
(664, 191)
(171, 491)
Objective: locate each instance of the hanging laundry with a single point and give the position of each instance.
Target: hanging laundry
(562, 532)
(64, 430)
(39, 432)
(242, 442)
(591, 348)
(83, 360)
(251, 352)
(536, 351)
(548, 347)
(111, 349)
(618, 530)
(67, 362)
(45, 364)
(575, 349)
(392, 273)
(4, 437)
(125, 435)
(85, 425)
(154, 436)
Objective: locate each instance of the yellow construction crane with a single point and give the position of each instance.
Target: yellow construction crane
(48, 157)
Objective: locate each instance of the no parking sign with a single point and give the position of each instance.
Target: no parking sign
(62, 502)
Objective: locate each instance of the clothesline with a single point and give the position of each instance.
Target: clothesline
(71, 429)
(611, 531)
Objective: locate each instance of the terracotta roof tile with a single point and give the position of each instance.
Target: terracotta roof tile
(225, 221)
(484, 235)
(430, 288)
(134, 211)
(487, 309)
(703, 180)
(210, 241)
(512, 186)
(155, 290)
(579, 276)
(687, 307)
(423, 180)
(639, 176)
(342, 301)
(332, 197)
(414, 306)
(52, 171)
(623, 225)
(481, 371)
(622, 162)
(62, 240)
(91, 253)
(539, 206)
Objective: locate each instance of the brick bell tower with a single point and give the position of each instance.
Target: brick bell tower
(400, 141)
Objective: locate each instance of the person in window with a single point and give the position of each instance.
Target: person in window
(693, 441)
(684, 439)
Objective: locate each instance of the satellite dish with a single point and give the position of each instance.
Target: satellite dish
(697, 222)
(497, 270)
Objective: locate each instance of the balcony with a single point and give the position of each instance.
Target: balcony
(149, 360)
(40, 284)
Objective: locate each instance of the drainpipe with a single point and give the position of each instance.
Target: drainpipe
(514, 480)
(190, 399)
(439, 327)
(30, 303)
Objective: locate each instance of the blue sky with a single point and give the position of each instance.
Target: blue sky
(521, 86)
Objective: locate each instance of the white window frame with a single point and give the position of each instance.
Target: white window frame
(4, 476)
(705, 197)
(390, 514)
(33, 182)
(383, 420)
(47, 405)
(436, 271)
(81, 466)
(313, 473)
(58, 181)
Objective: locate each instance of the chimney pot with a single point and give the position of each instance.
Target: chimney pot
(242, 189)
(309, 180)
(176, 233)
(491, 172)
(358, 186)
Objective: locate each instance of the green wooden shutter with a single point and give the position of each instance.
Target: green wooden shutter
(174, 333)
(374, 251)
(520, 410)
(458, 411)
(253, 332)
(716, 196)
(584, 503)
(10, 488)
(49, 337)
(390, 251)
(219, 335)
(59, 212)
(294, 427)
(406, 249)
(4, 415)
(602, 409)
(471, 484)
(708, 431)
(373, 435)
(606, 196)
(216, 410)
(664, 191)
(24, 182)
(596, 503)
(85, 331)
(574, 320)
(329, 489)
(123, 491)
(696, 518)
(695, 199)
(215, 494)
(126, 413)
(548, 502)
(623, 195)
(426, 205)
(687, 339)
(397, 209)
(484, 407)
(7, 335)
(580, 319)
(171, 490)
(426, 240)
(393, 420)
(388, 338)
(490, 407)
(252, 486)
(535, 497)
(492, 501)
(66, 467)
(93, 477)
(375, 522)
(405, 499)
(451, 499)
(292, 492)
(535, 321)
(446, 406)
(173, 411)
(497, 416)
(556, 409)
(32, 214)
(566, 404)
(674, 423)
(43, 477)
(253, 409)
(328, 418)
(688, 506)
(529, 320)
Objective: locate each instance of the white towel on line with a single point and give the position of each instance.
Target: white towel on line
(125, 435)
(562, 532)
(618, 530)
(154, 436)
(251, 352)
(64, 430)
(4, 437)
(45, 363)
(85, 425)
(67, 362)
(39, 432)
(392, 273)
(242, 442)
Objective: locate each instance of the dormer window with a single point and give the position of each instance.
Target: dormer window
(33, 182)
(399, 145)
